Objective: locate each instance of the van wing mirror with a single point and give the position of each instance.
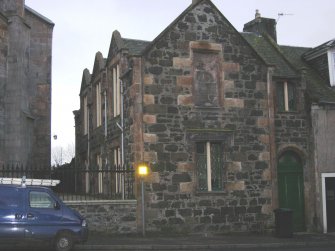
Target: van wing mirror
(56, 205)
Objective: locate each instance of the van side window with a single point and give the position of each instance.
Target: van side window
(10, 198)
(40, 200)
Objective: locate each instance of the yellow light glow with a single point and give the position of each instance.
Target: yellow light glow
(143, 170)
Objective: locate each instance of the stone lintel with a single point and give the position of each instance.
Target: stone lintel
(234, 102)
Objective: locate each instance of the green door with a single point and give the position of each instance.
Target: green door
(291, 187)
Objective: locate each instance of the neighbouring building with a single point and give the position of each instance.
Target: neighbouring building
(232, 124)
(25, 85)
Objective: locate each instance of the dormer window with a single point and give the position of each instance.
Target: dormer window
(331, 65)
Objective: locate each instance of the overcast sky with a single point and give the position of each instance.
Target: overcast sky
(83, 27)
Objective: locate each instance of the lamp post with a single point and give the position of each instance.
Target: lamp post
(61, 150)
(143, 171)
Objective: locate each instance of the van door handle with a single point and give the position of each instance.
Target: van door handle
(30, 216)
(18, 216)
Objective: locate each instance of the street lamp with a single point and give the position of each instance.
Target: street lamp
(142, 171)
(61, 149)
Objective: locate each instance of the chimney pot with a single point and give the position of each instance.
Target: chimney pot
(262, 25)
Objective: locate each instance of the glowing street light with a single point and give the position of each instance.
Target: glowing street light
(142, 171)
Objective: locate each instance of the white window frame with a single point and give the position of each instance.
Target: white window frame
(116, 91)
(209, 166)
(98, 104)
(285, 86)
(286, 96)
(100, 177)
(118, 176)
(85, 115)
(324, 200)
(331, 66)
(208, 145)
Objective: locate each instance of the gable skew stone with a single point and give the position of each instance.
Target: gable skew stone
(86, 80)
(116, 44)
(99, 64)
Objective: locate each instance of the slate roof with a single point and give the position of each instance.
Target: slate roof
(135, 47)
(319, 50)
(288, 62)
(317, 88)
(267, 50)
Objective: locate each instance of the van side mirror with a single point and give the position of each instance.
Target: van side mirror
(56, 205)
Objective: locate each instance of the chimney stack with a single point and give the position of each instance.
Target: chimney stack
(261, 25)
(12, 7)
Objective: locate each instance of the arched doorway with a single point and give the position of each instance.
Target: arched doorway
(291, 187)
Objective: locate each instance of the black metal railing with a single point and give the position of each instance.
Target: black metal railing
(81, 183)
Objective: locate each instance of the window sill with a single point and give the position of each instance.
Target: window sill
(287, 112)
(210, 193)
(214, 107)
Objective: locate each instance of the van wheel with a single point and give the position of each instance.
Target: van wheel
(64, 242)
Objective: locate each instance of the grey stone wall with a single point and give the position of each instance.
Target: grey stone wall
(237, 115)
(114, 217)
(25, 103)
(3, 80)
(39, 86)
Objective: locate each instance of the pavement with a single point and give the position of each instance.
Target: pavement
(204, 241)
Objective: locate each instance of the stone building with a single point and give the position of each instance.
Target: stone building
(232, 124)
(25, 85)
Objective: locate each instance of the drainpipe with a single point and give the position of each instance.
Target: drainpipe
(122, 123)
(105, 96)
